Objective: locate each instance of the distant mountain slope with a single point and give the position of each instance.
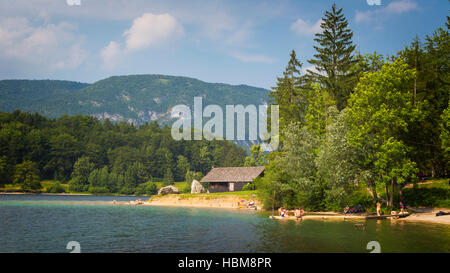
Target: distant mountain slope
(135, 98)
(141, 98)
(30, 95)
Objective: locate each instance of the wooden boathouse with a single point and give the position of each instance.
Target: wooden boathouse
(231, 178)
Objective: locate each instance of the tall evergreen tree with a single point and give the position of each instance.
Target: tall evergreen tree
(333, 59)
(288, 94)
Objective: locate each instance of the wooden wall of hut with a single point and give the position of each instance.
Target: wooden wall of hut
(225, 186)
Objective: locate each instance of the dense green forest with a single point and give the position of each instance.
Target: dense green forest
(102, 157)
(361, 127)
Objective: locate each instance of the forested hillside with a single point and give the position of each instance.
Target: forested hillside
(102, 157)
(33, 95)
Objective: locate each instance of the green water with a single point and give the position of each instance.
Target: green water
(37, 223)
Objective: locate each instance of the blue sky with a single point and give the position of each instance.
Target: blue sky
(236, 42)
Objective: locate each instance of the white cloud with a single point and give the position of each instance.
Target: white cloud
(302, 27)
(250, 58)
(111, 55)
(392, 9)
(75, 58)
(228, 26)
(150, 29)
(401, 7)
(237, 36)
(54, 45)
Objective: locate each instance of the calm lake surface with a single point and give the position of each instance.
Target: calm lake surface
(40, 223)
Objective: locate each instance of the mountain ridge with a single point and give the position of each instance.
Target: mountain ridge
(131, 98)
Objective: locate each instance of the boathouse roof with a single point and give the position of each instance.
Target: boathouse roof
(233, 174)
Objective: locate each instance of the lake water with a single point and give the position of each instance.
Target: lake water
(40, 223)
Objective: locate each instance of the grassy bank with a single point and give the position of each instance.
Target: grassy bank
(46, 185)
(432, 193)
(240, 194)
(180, 185)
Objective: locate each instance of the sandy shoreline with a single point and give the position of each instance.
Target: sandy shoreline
(426, 215)
(228, 202)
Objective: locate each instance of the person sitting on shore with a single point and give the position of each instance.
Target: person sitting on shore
(280, 211)
(297, 213)
(394, 214)
(359, 208)
(302, 212)
(346, 209)
(251, 203)
(284, 213)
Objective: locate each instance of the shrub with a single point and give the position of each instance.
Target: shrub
(148, 188)
(249, 187)
(56, 188)
(76, 186)
(187, 188)
(428, 197)
(127, 190)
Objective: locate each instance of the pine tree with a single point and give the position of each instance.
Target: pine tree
(168, 177)
(414, 57)
(288, 94)
(333, 60)
(27, 176)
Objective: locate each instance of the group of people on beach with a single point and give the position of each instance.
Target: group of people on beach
(402, 209)
(298, 212)
(244, 204)
(357, 209)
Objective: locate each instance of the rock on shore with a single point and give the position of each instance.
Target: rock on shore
(196, 187)
(168, 190)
